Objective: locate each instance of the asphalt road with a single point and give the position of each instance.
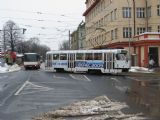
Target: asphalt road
(25, 94)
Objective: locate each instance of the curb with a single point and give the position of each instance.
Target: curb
(137, 74)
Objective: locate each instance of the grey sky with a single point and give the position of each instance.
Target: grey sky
(50, 20)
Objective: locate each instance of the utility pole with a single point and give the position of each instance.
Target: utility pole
(69, 40)
(147, 15)
(134, 17)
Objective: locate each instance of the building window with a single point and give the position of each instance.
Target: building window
(158, 10)
(140, 12)
(106, 18)
(112, 34)
(158, 28)
(127, 32)
(116, 33)
(149, 29)
(149, 11)
(126, 12)
(115, 14)
(112, 17)
(140, 30)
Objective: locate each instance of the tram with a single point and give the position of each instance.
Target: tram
(105, 61)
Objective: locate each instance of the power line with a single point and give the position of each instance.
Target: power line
(40, 20)
(39, 13)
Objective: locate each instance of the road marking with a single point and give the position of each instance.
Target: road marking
(72, 76)
(57, 77)
(21, 88)
(132, 78)
(116, 80)
(5, 99)
(30, 86)
(80, 77)
(87, 78)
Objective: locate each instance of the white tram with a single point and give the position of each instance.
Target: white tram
(105, 61)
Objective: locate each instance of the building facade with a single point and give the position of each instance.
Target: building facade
(74, 40)
(115, 23)
(81, 35)
(78, 37)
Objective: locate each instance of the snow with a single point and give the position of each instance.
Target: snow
(141, 69)
(99, 108)
(9, 68)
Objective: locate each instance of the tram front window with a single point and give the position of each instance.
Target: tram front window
(121, 56)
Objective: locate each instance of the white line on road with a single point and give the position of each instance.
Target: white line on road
(73, 77)
(80, 77)
(87, 78)
(33, 87)
(21, 88)
(115, 79)
(54, 76)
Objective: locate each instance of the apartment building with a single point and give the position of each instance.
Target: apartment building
(119, 23)
(78, 37)
(74, 40)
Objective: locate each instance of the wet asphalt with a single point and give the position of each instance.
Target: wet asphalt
(25, 94)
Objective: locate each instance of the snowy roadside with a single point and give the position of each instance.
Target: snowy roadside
(141, 70)
(99, 108)
(7, 68)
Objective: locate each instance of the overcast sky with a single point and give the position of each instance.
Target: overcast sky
(50, 20)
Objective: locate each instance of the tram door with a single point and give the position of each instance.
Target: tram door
(109, 61)
(71, 61)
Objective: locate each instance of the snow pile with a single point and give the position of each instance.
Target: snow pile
(141, 70)
(100, 108)
(7, 68)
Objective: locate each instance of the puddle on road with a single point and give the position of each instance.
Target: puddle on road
(146, 95)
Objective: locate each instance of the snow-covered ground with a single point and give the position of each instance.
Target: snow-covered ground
(99, 108)
(8, 68)
(141, 69)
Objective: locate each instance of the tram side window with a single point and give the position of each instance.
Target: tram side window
(109, 57)
(79, 56)
(97, 56)
(55, 56)
(89, 56)
(63, 56)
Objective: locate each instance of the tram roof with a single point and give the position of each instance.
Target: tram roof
(84, 51)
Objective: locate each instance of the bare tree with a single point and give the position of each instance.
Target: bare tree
(12, 35)
(98, 43)
(64, 45)
(33, 45)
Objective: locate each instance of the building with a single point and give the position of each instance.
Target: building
(115, 23)
(78, 37)
(74, 40)
(81, 35)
